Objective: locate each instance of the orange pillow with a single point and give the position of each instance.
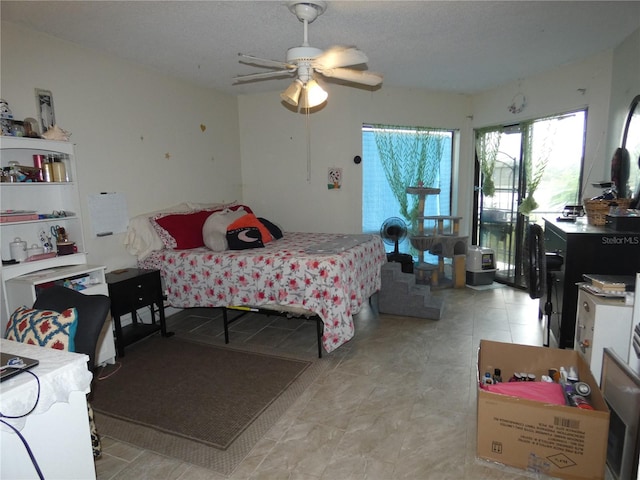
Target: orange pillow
(250, 220)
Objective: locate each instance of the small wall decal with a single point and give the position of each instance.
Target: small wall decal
(334, 179)
(518, 103)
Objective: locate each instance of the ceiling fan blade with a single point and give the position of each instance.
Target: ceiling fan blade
(262, 75)
(354, 76)
(336, 57)
(264, 61)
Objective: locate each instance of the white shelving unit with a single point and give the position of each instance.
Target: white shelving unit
(41, 197)
(44, 198)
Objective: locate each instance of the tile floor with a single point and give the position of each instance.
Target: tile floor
(397, 403)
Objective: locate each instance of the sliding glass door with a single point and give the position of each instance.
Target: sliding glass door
(525, 172)
(498, 213)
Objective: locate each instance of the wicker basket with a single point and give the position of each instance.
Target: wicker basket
(597, 210)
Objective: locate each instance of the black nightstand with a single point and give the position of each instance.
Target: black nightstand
(131, 289)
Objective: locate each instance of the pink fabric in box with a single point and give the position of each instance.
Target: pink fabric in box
(545, 392)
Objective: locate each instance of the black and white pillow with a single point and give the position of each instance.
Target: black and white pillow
(275, 231)
(244, 238)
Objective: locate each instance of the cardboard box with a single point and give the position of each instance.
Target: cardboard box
(556, 440)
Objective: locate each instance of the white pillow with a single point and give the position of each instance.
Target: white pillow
(210, 206)
(141, 238)
(214, 230)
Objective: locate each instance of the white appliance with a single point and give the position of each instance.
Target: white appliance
(620, 385)
(481, 266)
(621, 390)
(634, 344)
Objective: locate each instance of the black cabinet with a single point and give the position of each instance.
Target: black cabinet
(131, 289)
(585, 249)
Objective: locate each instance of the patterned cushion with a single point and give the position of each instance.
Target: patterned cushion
(45, 328)
(96, 442)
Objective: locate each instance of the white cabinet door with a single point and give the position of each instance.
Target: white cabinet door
(600, 323)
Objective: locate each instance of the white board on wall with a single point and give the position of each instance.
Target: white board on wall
(108, 212)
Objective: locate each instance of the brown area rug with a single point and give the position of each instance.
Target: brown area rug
(198, 392)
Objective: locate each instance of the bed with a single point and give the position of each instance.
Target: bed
(329, 275)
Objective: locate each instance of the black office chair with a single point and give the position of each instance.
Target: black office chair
(92, 313)
(539, 267)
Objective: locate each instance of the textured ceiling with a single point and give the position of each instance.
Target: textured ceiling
(456, 46)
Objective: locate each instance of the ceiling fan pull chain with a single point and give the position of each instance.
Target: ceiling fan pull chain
(308, 148)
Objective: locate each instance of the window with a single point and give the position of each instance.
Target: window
(417, 154)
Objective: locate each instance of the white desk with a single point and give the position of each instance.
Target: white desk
(58, 429)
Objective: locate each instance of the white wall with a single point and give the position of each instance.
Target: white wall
(610, 81)
(124, 119)
(274, 151)
(274, 144)
(559, 91)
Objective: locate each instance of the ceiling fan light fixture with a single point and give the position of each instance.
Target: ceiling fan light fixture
(305, 63)
(292, 94)
(312, 95)
(307, 10)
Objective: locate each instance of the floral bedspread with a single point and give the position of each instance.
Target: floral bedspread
(332, 285)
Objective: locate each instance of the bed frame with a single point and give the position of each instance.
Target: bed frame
(320, 276)
(281, 311)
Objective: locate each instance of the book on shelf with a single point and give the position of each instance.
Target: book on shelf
(611, 283)
(7, 216)
(587, 287)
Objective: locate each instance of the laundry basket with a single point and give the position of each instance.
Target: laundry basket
(597, 210)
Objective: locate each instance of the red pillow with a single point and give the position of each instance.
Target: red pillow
(181, 230)
(250, 220)
(184, 230)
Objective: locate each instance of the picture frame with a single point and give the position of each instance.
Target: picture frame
(46, 111)
(334, 179)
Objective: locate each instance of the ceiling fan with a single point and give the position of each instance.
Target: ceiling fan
(305, 61)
